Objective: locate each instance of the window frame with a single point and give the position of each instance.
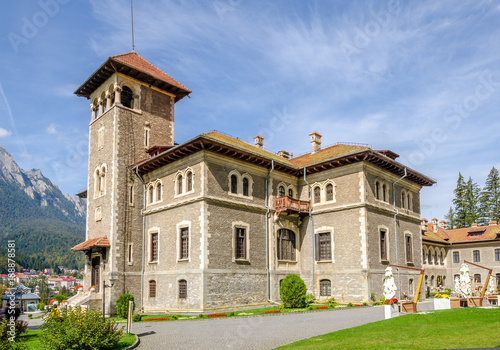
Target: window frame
(497, 254)
(409, 248)
(182, 292)
(476, 255)
(323, 246)
(383, 244)
(154, 246)
(325, 284)
(286, 245)
(184, 243)
(152, 289)
(316, 194)
(456, 257)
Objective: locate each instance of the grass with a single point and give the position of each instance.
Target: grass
(443, 329)
(32, 340)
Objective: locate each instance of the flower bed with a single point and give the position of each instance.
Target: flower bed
(357, 305)
(156, 319)
(391, 301)
(321, 307)
(272, 312)
(217, 315)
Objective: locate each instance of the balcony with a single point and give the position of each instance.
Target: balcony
(291, 206)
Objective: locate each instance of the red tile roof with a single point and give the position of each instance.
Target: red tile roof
(133, 60)
(327, 153)
(463, 235)
(91, 243)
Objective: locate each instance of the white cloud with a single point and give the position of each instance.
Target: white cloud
(52, 129)
(5, 133)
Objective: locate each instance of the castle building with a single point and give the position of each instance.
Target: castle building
(444, 250)
(216, 221)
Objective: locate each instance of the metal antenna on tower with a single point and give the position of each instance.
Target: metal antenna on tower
(132, 19)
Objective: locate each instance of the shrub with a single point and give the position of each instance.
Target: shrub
(231, 314)
(5, 342)
(309, 299)
(175, 317)
(136, 318)
(30, 316)
(40, 306)
(293, 292)
(349, 305)
(280, 307)
(122, 304)
(200, 315)
(79, 329)
(60, 298)
(372, 296)
(332, 303)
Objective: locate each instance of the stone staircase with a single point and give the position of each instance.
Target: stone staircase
(90, 299)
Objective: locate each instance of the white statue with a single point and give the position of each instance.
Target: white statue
(465, 282)
(492, 285)
(457, 286)
(389, 285)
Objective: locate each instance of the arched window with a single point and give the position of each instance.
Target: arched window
(97, 183)
(325, 288)
(423, 256)
(286, 245)
(408, 201)
(103, 102)
(317, 194)
(329, 192)
(429, 257)
(127, 97)
(189, 182)
(234, 184)
(432, 281)
(245, 187)
(384, 192)
(151, 194)
(290, 192)
(377, 190)
(158, 192)
(102, 181)
(435, 258)
(403, 200)
(179, 184)
(152, 289)
(182, 289)
(281, 191)
(441, 258)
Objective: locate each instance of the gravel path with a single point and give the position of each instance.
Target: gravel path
(253, 332)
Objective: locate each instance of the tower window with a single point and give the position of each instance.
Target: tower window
(234, 184)
(127, 97)
(184, 243)
(147, 135)
(281, 191)
(189, 182)
(245, 186)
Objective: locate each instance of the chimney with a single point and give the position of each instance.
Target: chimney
(284, 154)
(474, 224)
(492, 223)
(442, 224)
(315, 142)
(434, 225)
(259, 141)
(423, 225)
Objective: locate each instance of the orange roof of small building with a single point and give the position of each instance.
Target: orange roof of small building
(92, 243)
(334, 151)
(462, 235)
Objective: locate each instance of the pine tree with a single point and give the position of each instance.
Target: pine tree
(450, 219)
(459, 203)
(472, 202)
(490, 197)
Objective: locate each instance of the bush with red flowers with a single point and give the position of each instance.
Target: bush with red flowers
(217, 315)
(272, 312)
(391, 301)
(321, 307)
(156, 319)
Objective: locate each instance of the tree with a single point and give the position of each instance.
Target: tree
(293, 291)
(459, 203)
(490, 197)
(122, 304)
(473, 214)
(450, 219)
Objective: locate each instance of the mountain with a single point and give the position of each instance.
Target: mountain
(43, 221)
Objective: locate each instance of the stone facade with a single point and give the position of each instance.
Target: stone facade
(215, 221)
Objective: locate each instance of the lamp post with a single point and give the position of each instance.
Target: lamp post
(104, 286)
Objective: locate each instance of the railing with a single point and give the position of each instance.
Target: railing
(292, 205)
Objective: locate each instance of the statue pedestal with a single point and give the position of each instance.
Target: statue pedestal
(391, 311)
(442, 304)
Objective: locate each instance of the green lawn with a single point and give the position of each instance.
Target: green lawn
(444, 329)
(32, 341)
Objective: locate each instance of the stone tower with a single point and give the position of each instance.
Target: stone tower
(132, 110)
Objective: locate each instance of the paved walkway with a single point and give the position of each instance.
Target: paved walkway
(253, 332)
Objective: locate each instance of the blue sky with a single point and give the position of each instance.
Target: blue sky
(419, 78)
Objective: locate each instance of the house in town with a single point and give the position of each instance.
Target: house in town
(444, 251)
(217, 221)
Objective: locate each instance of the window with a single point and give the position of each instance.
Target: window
(456, 257)
(131, 194)
(281, 191)
(152, 289)
(432, 280)
(409, 251)
(179, 184)
(429, 257)
(498, 278)
(409, 201)
(403, 200)
(325, 288)
(245, 186)
(158, 192)
(317, 194)
(477, 277)
(323, 246)
(127, 97)
(286, 245)
(290, 193)
(423, 256)
(441, 258)
(383, 245)
(497, 254)
(151, 194)
(410, 286)
(100, 138)
(182, 289)
(184, 248)
(154, 247)
(329, 192)
(130, 253)
(377, 190)
(435, 258)
(240, 240)
(476, 256)
(384, 192)
(189, 182)
(234, 184)
(147, 137)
